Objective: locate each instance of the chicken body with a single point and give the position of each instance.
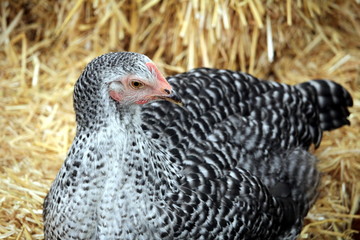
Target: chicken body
(232, 163)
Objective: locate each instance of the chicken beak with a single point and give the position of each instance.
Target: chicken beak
(170, 95)
(173, 97)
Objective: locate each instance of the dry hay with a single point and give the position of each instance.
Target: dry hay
(45, 44)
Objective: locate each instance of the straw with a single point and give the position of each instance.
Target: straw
(44, 45)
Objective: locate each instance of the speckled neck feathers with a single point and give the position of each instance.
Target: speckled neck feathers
(118, 176)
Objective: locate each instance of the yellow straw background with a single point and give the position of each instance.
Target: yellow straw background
(44, 45)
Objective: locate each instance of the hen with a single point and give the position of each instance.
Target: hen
(231, 163)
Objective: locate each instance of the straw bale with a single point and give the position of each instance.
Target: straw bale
(45, 44)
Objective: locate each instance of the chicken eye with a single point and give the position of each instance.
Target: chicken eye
(136, 84)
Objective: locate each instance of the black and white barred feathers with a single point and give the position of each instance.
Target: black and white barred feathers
(231, 163)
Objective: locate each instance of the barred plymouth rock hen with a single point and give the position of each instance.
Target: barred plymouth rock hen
(232, 163)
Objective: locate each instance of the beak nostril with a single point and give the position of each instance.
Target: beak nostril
(167, 91)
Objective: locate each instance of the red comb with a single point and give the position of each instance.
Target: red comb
(154, 69)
